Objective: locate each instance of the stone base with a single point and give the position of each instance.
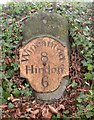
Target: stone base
(55, 95)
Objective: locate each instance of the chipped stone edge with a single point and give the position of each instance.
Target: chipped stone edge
(55, 95)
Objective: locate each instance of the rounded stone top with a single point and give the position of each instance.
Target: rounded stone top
(46, 24)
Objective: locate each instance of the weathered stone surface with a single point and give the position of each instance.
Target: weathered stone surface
(46, 24)
(49, 75)
(55, 95)
(42, 62)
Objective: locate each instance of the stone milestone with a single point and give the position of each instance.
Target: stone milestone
(44, 59)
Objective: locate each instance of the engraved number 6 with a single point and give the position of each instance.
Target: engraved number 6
(44, 81)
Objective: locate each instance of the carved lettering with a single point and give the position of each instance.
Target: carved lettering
(45, 81)
(48, 70)
(44, 57)
(25, 56)
(29, 69)
(50, 44)
(44, 62)
(43, 43)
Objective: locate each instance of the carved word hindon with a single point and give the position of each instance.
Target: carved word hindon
(44, 62)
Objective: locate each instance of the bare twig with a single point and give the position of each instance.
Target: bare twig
(22, 19)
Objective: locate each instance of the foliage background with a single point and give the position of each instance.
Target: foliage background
(81, 36)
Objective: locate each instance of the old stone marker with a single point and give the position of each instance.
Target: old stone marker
(44, 59)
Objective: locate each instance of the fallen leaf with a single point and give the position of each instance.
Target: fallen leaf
(22, 116)
(28, 109)
(18, 112)
(79, 68)
(32, 116)
(90, 18)
(7, 60)
(52, 109)
(61, 106)
(35, 112)
(15, 100)
(3, 106)
(21, 86)
(18, 105)
(46, 113)
(34, 102)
